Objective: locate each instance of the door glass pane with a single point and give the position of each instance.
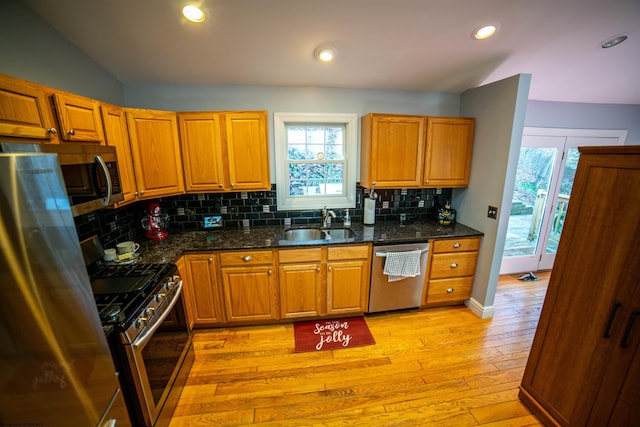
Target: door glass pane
(535, 167)
(562, 201)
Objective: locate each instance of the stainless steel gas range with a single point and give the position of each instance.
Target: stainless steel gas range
(150, 341)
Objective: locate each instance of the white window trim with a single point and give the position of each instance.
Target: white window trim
(347, 200)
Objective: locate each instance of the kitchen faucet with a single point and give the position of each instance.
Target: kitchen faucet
(326, 215)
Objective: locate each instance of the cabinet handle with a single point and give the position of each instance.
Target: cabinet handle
(220, 185)
(232, 185)
(52, 131)
(627, 331)
(426, 181)
(71, 132)
(454, 265)
(135, 193)
(247, 258)
(330, 268)
(612, 315)
(210, 260)
(270, 272)
(142, 193)
(456, 245)
(318, 269)
(449, 290)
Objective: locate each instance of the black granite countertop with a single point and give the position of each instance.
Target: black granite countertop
(176, 244)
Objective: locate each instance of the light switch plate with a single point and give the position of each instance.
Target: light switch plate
(492, 212)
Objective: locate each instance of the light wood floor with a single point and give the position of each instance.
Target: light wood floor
(443, 367)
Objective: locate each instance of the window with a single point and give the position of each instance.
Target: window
(315, 160)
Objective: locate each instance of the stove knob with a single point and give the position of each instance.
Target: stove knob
(160, 297)
(169, 285)
(141, 322)
(175, 278)
(149, 312)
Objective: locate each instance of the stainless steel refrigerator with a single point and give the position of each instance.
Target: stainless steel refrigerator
(55, 365)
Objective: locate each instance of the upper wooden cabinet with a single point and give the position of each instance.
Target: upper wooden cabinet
(447, 160)
(226, 151)
(155, 149)
(79, 118)
(116, 135)
(414, 151)
(392, 150)
(24, 110)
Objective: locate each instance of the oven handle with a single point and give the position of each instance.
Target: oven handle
(141, 341)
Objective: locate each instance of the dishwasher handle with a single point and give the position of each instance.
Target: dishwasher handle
(384, 253)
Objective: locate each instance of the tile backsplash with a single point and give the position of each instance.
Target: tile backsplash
(187, 211)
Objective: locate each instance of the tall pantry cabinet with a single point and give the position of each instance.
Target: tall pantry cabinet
(584, 367)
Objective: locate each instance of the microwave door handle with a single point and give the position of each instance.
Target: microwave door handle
(107, 200)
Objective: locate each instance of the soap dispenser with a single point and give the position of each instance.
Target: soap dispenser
(347, 219)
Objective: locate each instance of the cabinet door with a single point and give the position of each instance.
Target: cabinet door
(24, 111)
(79, 118)
(392, 151)
(156, 152)
(448, 153)
(201, 151)
(202, 293)
(347, 286)
(116, 135)
(250, 293)
(247, 150)
(575, 353)
(300, 290)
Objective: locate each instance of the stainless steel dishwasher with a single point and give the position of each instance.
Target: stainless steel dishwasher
(405, 293)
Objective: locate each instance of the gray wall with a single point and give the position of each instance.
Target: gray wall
(33, 50)
(499, 109)
(572, 115)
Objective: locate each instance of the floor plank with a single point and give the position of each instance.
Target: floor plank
(441, 366)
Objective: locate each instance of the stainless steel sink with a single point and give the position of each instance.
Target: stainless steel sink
(308, 234)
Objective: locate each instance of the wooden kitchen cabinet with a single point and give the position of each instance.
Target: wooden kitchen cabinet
(25, 111)
(202, 290)
(414, 151)
(348, 272)
(79, 118)
(447, 162)
(452, 267)
(155, 149)
(326, 280)
(249, 285)
(225, 151)
(116, 135)
(300, 273)
(392, 150)
(583, 367)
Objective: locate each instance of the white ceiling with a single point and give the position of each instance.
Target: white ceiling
(413, 45)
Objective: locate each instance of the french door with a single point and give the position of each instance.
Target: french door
(542, 191)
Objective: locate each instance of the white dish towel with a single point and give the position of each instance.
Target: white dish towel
(400, 265)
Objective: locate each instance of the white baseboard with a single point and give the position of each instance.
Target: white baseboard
(479, 310)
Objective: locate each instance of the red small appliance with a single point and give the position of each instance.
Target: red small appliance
(155, 222)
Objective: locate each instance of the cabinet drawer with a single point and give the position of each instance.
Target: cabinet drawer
(245, 258)
(455, 245)
(453, 265)
(300, 255)
(347, 252)
(449, 290)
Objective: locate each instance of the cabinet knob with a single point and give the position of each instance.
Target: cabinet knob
(142, 193)
(135, 193)
(330, 268)
(52, 131)
(71, 132)
(232, 185)
(454, 265)
(210, 260)
(247, 258)
(449, 290)
(270, 272)
(318, 269)
(456, 245)
(426, 181)
(220, 185)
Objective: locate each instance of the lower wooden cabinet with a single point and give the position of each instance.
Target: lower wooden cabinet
(249, 285)
(321, 281)
(452, 266)
(201, 289)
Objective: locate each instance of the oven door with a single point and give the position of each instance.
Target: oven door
(157, 358)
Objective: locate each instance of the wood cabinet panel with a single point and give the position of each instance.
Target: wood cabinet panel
(239, 258)
(459, 264)
(250, 293)
(455, 245)
(202, 290)
(347, 286)
(247, 150)
(447, 290)
(24, 110)
(79, 118)
(591, 297)
(116, 135)
(300, 289)
(155, 150)
(202, 152)
(448, 151)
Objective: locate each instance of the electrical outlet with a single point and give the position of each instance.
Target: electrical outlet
(492, 212)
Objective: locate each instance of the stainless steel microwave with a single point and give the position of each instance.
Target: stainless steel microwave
(90, 173)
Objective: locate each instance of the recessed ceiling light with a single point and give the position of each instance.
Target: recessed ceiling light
(484, 32)
(325, 53)
(615, 41)
(193, 13)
